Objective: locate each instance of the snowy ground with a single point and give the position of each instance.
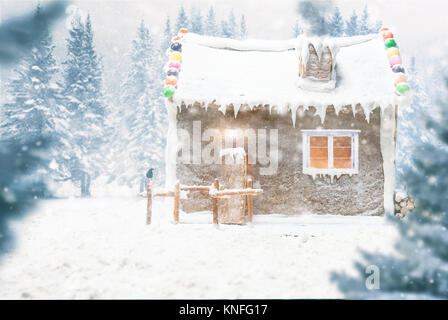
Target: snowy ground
(101, 248)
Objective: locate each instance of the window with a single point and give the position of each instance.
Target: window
(330, 151)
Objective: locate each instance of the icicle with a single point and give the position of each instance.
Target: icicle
(321, 111)
(367, 113)
(354, 111)
(270, 109)
(337, 109)
(223, 109)
(294, 115)
(236, 109)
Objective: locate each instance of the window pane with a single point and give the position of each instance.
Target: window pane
(316, 141)
(342, 163)
(319, 152)
(319, 163)
(342, 141)
(342, 152)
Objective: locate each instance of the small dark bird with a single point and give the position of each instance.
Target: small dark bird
(149, 173)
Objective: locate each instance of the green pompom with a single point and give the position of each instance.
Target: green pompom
(390, 43)
(168, 91)
(403, 87)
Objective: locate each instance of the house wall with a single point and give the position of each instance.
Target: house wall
(289, 191)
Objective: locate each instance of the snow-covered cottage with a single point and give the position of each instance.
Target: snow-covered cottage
(317, 117)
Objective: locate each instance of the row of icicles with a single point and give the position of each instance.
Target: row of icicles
(173, 67)
(395, 61)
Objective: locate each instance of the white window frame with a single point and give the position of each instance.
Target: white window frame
(354, 134)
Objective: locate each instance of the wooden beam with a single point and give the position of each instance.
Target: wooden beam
(163, 194)
(176, 202)
(195, 188)
(148, 202)
(215, 203)
(236, 192)
(250, 210)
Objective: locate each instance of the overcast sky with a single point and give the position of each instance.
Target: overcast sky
(419, 25)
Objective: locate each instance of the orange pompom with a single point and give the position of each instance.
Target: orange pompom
(176, 38)
(384, 29)
(400, 78)
(388, 35)
(183, 30)
(172, 81)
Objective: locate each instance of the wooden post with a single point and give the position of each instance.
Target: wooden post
(215, 203)
(250, 210)
(148, 202)
(176, 202)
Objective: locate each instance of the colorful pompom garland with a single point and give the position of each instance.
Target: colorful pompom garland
(173, 67)
(395, 61)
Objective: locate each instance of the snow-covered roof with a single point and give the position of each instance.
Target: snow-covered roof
(254, 72)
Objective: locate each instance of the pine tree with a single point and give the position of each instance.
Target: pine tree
(421, 269)
(229, 27)
(167, 35)
(182, 20)
(35, 111)
(140, 140)
(196, 21)
(411, 127)
(351, 25)
(234, 34)
(22, 155)
(243, 27)
(83, 77)
(364, 24)
(30, 114)
(211, 28)
(296, 30)
(336, 24)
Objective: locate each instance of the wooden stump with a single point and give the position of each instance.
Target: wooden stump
(403, 204)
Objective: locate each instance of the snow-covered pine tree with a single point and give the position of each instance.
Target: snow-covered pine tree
(336, 23)
(233, 28)
(33, 92)
(141, 141)
(421, 268)
(82, 89)
(352, 25)
(34, 112)
(24, 154)
(196, 21)
(167, 35)
(243, 27)
(297, 30)
(364, 24)
(411, 127)
(211, 27)
(225, 29)
(182, 20)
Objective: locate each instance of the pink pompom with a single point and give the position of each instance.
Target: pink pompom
(174, 64)
(394, 60)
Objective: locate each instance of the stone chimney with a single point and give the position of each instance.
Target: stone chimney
(316, 66)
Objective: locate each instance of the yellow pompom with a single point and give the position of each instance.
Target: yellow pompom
(175, 56)
(393, 51)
